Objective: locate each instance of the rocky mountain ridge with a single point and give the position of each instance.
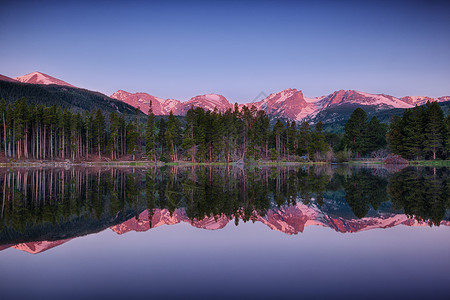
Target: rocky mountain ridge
(289, 103)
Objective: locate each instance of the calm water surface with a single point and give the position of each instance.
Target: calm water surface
(284, 233)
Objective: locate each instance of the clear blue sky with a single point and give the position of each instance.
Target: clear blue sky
(182, 49)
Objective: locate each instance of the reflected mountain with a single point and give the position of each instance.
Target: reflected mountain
(44, 208)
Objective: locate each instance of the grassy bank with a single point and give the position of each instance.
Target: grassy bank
(364, 162)
(437, 163)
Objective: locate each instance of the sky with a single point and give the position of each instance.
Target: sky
(180, 49)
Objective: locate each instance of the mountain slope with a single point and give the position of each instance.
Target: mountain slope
(41, 78)
(335, 117)
(6, 78)
(354, 97)
(71, 98)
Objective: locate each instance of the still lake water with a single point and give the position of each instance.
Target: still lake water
(222, 232)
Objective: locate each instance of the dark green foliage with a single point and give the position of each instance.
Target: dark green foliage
(304, 139)
(363, 136)
(150, 135)
(423, 194)
(447, 135)
(434, 134)
(395, 135)
(335, 117)
(419, 134)
(363, 189)
(173, 136)
(318, 145)
(376, 134)
(30, 131)
(355, 136)
(57, 203)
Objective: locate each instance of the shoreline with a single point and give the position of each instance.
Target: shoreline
(441, 163)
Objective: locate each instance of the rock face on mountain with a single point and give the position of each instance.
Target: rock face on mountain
(142, 101)
(289, 103)
(361, 98)
(41, 78)
(208, 101)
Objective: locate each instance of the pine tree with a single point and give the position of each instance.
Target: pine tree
(114, 133)
(413, 129)
(318, 145)
(99, 132)
(304, 139)
(395, 135)
(355, 131)
(3, 123)
(132, 139)
(447, 136)
(188, 143)
(278, 130)
(162, 137)
(376, 134)
(150, 135)
(434, 129)
(172, 135)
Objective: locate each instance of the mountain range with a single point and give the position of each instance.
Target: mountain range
(289, 220)
(289, 103)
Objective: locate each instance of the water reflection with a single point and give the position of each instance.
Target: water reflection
(43, 208)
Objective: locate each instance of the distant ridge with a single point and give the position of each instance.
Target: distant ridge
(6, 78)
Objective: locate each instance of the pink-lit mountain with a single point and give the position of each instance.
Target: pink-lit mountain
(289, 220)
(289, 103)
(41, 78)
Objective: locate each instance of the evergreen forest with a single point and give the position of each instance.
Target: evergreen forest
(38, 132)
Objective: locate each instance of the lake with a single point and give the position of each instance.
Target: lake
(311, 232)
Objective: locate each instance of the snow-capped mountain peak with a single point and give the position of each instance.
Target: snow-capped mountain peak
(41, 78)
(361, 98)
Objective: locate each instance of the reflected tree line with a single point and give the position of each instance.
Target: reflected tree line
(32, 197)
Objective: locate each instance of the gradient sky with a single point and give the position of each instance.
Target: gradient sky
(182, 49)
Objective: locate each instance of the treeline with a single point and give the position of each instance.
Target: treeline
(239, 134)
(420, 133)
(30, 131)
